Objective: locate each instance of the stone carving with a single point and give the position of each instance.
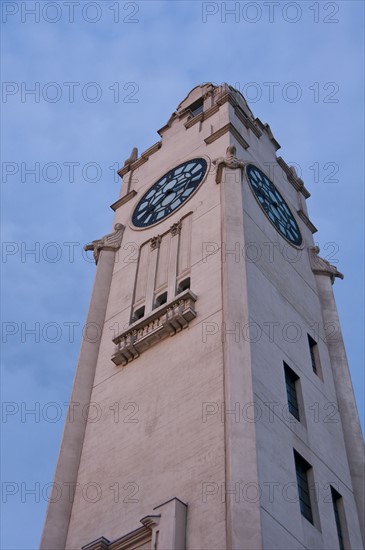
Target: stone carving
(269, 131)
(320, 266)
(132, 157)
(229, 161)
(112, 241)
(176, 228)
(294, 171)
(155, 242)
(167, 320)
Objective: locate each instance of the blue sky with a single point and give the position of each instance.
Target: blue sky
(152, 53)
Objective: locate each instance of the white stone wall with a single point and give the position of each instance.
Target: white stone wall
(169, 437)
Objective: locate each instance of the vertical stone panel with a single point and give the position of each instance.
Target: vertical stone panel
(163, 261)
(184, 254)
(142, 271)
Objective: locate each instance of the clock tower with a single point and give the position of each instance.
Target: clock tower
(212, 405)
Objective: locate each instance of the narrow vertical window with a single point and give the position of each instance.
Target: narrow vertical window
(302, 467)
(314, 355)
(337, 502)
(291, 380)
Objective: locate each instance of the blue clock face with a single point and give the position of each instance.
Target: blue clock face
(169, 192)
(273, 204)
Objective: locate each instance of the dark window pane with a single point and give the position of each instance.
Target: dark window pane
(183, 285)
(290, 380)
(336, 501)
(197, 107)
(312, 349)
(302, 467)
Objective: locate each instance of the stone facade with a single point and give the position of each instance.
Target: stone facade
(198, 314)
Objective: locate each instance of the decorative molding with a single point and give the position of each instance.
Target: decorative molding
(202, 116)
(141, 160)
(320, 266)
(223, 96)
(245, 119)
(117, 204)
(271, 136)
(170, 520)
(167, 320)
(227, 128)
(229, 161)
(151, 521)
(168, 124)
(293, 178)
(99, 544)
(155, 242)
(132, 157)
(230, 96)
(266, 128)
(139, 537)
(176, 228)
(112, 241)
(193, 120)
(307, 221)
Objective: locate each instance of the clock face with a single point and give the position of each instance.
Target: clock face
(169, 192)
(273, 204)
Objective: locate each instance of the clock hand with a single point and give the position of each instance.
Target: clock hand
(266, 197)
(157, 202)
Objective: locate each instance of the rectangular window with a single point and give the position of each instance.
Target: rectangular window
(337, 502)
(302, 467)
(314, 355)
(197, 107)
(161, 299)
(183, 285)
(291, 380)
(138, 314)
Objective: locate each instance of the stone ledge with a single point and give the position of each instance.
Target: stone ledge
(223, 130)
(117, 204)
(141, 160)
(241, 115)
(166, 320)
(307, 221)
(202, 116)
(296, 182)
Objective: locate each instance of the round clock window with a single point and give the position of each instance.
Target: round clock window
(273, 204)
(169, 193)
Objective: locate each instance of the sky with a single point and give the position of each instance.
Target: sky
(83, 83)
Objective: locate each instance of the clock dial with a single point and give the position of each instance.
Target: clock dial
(169, 192)
(273, 204)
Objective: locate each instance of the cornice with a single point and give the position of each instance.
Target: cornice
(99, 544)
(224, 130)
(297, 182)
(307, 221)
(320, 266)
(141, 160)
(117, 204)
(267, 130)
(202, 116)
(241, 115)
(139, 536)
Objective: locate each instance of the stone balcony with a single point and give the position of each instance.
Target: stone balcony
(166, 320)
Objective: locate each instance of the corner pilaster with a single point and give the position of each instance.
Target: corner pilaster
(59, 508)
(325, 274)
(240, 437)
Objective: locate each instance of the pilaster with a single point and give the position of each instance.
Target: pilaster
(325, 274)
(243, 518)
(59, 508)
